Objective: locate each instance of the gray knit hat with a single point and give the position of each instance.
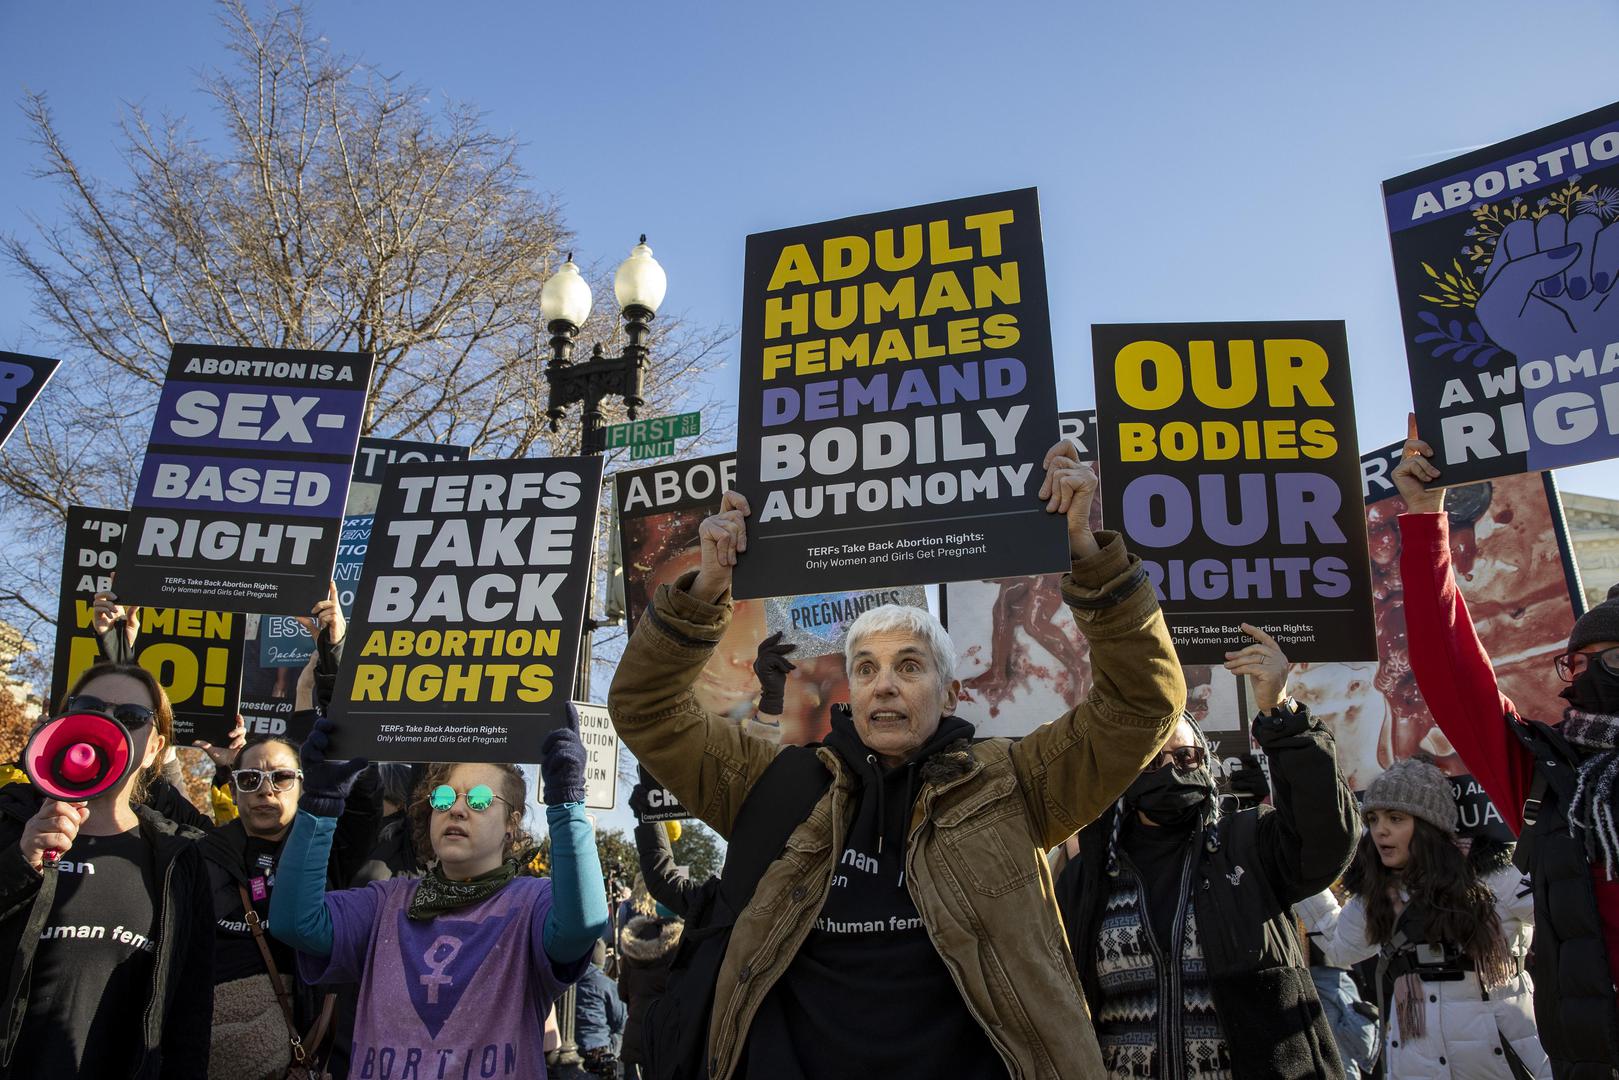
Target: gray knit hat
(1416, 787)
(1601, 623)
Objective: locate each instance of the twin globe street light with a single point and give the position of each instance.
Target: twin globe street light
(639, 285)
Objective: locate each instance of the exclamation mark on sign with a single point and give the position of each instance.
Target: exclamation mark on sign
(213, 695)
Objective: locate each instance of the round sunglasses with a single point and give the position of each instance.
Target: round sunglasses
(127, 713)
(480, 798)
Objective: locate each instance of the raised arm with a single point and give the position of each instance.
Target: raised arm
(708, 762)
(669, 885)
(1451, 667)
(1071, 770)
(578, 915)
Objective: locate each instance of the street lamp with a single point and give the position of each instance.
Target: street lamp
(639, 286)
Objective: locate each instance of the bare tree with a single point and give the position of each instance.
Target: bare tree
(337, 213)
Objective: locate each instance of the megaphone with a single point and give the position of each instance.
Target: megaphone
(79, 756)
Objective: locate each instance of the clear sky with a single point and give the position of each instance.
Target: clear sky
(1195, 161)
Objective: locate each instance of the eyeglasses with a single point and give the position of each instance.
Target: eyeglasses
(127, 713)
(1184, 758)
(479, 798)
(1571, 666)
(280, 779)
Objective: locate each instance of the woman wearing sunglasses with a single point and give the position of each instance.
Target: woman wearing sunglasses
(106, 953)
(1179, 918)
(457, 969)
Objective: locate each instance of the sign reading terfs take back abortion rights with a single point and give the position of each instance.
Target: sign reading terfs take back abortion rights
(239, 504)
(466, 625)
(1507, 265)
(897, 399)
(1228, 461)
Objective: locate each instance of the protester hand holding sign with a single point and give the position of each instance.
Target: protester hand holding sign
(225, 756)
(1265, 665)
(109, 613)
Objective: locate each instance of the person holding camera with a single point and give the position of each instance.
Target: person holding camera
(1451, 944)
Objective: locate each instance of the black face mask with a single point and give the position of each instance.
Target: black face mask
(1594, 690)
(1171, 798)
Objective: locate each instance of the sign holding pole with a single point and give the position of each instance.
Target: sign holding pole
(467, 621)
(897, 398)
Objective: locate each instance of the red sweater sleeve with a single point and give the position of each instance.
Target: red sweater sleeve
(1454, 672)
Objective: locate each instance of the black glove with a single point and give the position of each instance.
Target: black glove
(772, 667)
(328, 657)
(562, 764)
(1248, 782)
(638, 799)
(326, 783)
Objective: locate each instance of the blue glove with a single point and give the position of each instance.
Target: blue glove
(562, 764)
(326, 783)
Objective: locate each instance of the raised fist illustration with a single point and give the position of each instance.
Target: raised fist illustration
(1550, 288)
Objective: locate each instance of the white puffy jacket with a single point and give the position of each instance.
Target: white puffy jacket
(1466, 1029)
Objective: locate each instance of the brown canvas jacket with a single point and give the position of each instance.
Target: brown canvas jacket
(980, 827)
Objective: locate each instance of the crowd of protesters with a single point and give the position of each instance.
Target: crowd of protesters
(901, 899)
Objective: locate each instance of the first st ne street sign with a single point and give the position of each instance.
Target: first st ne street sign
(655, 437)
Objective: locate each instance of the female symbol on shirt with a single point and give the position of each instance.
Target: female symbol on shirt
(437, 958)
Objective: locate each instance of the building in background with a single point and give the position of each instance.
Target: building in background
(1593, 527)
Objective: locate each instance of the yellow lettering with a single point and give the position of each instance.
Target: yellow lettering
(944, 292)
(1295, 368)
(790, 315)
(844, 257)
(1206, 376)
(988, 226)
(1129, 375)
(888, 260)
(794, 266)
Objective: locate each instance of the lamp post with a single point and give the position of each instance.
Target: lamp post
(639, 286)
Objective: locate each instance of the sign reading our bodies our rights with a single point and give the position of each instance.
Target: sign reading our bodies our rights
(21, 380)
(897, 398)
(466, 626)
(240, 499)
(1230, 463)
(195, 655)
(1507, 265)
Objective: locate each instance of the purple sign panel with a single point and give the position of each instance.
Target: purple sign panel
(1507, 263)
(239, 504)
(1231, 465)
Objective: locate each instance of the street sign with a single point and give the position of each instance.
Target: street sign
(660, 430)
(648, 451)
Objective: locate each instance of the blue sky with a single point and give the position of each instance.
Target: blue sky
(1195, 161)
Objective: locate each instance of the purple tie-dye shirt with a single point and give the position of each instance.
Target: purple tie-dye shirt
(461, 996)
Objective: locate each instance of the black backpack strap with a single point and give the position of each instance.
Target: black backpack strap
(1556, 768)
(780, 800)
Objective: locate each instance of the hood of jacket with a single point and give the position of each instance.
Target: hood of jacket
(649, 939)
(883, 808)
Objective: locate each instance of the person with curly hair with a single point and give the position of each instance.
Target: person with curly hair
(1451, 985)
(457, 969)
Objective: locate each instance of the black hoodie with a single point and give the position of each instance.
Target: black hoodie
(867, 994)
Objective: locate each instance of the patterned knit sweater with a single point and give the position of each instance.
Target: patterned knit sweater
(1140, 1039)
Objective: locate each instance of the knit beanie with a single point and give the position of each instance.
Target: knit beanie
(1417, 788)
(1601, 623)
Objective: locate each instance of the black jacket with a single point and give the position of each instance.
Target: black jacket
(1252, 867)
(670, 885)
(646, 949)
(177, 1034)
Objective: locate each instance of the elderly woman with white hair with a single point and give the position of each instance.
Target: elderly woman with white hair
(907, 927)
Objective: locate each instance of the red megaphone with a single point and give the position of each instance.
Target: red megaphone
(79, 756)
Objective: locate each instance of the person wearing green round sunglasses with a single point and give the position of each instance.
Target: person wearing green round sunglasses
(457, 969)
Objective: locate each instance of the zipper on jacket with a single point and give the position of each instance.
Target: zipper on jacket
(165, 935)
(1171, 1031)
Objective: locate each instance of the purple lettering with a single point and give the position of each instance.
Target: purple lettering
(913, 390)
(1004, 377)
(1331, 576)
(1146, 529)
(781, 406)
(1255, 578)
(413, 1060)
(1208, 579)
(490, 1060)
(1254, 519)
(1293, 567)
(1308, 501)
(821, 400)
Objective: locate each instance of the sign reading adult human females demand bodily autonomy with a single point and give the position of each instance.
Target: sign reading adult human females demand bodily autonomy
(21, 380)
(466, 626)
(1228, 453)
(1507, 265)
(239, 503)
(897, 398)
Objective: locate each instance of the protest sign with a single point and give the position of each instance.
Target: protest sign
(195, 655)
(660, 801)
(21, 380)
(240, 499)
(1506, 259)
(659, 509)
(1229, 450)
(278, 646)
(466, 627)
(600, 739)
(1514, 566)
(897, 399)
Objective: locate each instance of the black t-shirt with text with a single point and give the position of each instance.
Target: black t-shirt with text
(92, 973)
(236, 954)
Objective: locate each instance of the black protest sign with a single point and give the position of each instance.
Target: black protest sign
(1079, 428)
(659, 510)
(661, 804)
(196, 656)
(1229, 451)
(21, 380)
(240, 499)
(466, 626)
(896, 400)
(1507, 261)
(278, 646)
